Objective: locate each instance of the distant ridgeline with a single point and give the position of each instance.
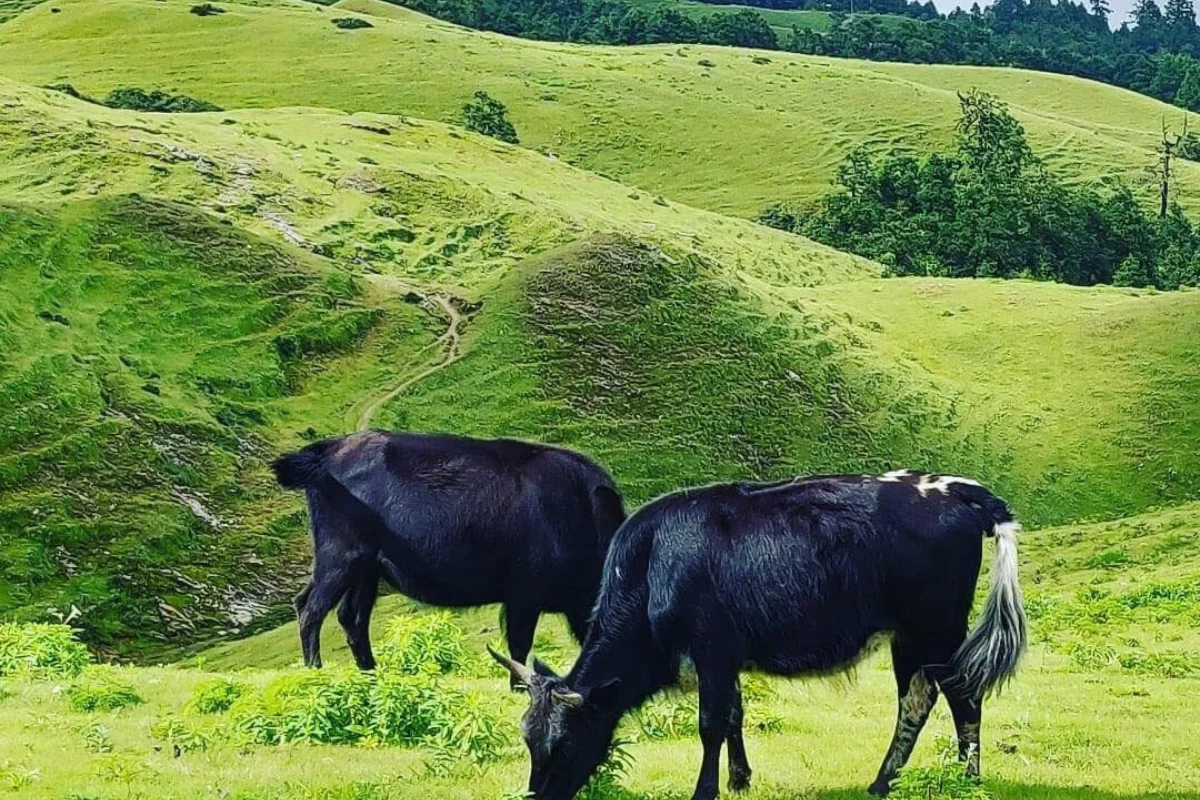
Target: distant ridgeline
(1156, 56)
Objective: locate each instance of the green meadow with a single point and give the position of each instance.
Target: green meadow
(732, 137)
(183, 296)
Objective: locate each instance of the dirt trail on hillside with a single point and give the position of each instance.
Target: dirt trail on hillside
(449, 345)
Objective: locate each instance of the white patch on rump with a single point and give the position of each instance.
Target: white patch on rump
(895, 475)
(941, 483)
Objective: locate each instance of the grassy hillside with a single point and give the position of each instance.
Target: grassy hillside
(732, 137)
(676, 345)
(157, 355)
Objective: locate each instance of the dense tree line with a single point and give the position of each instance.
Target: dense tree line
(1158, 54)
(602, 22)
(908, 8)
(990, 209)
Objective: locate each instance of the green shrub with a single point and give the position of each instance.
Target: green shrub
(671, 715)
(41, 650)
(605, 783)
(945, 780)
(1108, 559)
(351, 707)
(1090, 655)
(206, 10)
(102, 692)
(487, 115)
(1163, 664)
(351, 23)
(96, 738)
(69, 90)
(182, 736)
(216, 696)
(466, 732)
(415, 643)
(136, 99)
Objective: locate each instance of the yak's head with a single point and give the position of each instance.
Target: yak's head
(568, 732)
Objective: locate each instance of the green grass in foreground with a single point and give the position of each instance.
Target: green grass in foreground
(1068, 728)
(731, 138)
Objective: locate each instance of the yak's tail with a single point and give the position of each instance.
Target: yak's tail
(989, 656)
(608, 511)
(300, 469)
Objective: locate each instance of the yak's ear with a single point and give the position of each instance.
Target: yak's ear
(542, 669)
(604, 696)
(566, 697)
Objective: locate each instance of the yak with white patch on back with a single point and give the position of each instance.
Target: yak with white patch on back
(790, 578)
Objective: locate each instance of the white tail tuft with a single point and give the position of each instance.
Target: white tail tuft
(989, 656)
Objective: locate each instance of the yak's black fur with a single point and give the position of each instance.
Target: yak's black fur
(450, 521)
(791, 579)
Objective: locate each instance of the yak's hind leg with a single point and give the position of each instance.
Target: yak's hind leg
(718, 689)
(739, 766)
(918, 693)
(967, 712)
(354, 614)
(339, 556)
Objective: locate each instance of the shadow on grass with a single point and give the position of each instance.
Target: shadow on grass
(1004, 790)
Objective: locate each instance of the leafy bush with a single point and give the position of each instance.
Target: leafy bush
(102, 692)
(216, 696)
(605, 783)
(1163, 664)
(136, 99)
(96, 738)
(945, 780)
(69, 90)
(182, 736)
(329, 707)
(41, 650)
(351, 23)
(206, 10)
(415, 643)
(671, 715)
(1089, 655)
(487, 115)
(388, 707)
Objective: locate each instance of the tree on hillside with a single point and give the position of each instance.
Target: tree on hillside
(992, 209)
(1188, 95)
(1100, 8)
(1133, 272)
(487, 115)
(1180, 13)
(1147, 15)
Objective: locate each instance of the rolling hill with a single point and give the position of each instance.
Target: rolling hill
(192, 293)
(732, 137)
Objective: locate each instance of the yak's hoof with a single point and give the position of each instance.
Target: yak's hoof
(879, 788)
(739, 780)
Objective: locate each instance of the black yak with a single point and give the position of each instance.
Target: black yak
(791, 579)
(450, 521)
